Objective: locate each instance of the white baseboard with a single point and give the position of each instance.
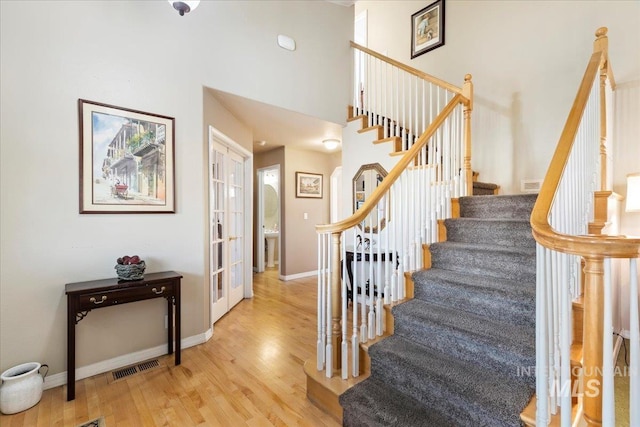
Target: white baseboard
(298, 275)
(625, 333)
(124, 360)
(616, 348)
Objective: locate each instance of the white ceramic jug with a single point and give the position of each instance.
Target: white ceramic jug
(21, 387)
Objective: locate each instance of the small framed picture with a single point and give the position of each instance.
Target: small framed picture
(126, 160)
(309, 185)
(427, 29)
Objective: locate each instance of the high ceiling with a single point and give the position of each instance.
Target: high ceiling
(277, 126)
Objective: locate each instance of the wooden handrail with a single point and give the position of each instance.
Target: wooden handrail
(587, 246)
(395, 173)
(410, 70)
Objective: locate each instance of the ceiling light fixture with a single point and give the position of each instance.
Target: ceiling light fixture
(331, 144)
(184, 6)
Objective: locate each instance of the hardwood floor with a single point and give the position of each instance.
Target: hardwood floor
(249, 373)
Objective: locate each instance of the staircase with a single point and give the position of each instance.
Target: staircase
(463, 349)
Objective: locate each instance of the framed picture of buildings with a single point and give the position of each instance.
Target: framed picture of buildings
(309, 185)
(427, 29)
(126, 160)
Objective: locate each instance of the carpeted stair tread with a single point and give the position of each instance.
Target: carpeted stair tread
(467, 336)
(472, 394)
(515, 263)
(502, 299)
(376, 404)
(502, 206)
(504, 232)
(458, 345)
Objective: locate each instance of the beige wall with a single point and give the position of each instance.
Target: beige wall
(299, 238)
(139, 55)
(526, 58)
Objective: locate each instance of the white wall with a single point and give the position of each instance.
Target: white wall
(141, 55)
(526, 58)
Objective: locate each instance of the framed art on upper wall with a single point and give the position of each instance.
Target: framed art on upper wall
(126, 160)
(427, 29)
(309, 185)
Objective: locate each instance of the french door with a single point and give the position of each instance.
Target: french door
(227, 231)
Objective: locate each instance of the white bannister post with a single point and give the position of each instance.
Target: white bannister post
(467, 91)
(634, 351)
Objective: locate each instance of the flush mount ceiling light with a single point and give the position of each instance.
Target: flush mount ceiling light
(184, 6)
(331, 144)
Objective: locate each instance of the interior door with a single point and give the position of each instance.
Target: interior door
(226, 235)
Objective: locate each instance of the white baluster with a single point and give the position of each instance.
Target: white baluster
(329, 345)
(608, 406)
(320, 343)
(355, 342)
(542, 374)
(634, 346)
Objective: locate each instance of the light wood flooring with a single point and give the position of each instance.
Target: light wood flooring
(249, 373)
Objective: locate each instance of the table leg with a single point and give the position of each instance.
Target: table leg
(71, 348)
(170, 325)
(177, 317)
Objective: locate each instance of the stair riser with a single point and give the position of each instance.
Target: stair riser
(495, 305)
(506, 233)
(391, 369)
(466, 347)
(513, 266)
(497, 206)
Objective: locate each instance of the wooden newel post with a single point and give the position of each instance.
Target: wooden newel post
(336, 303)
(601, 44)
(467, 92)
(593, 335)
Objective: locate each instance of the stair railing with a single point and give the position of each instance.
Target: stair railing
(384, 238)
(401, 99)
(560, 226)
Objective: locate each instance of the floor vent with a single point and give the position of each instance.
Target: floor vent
(134, 369)
(125, 372)
(148, 365)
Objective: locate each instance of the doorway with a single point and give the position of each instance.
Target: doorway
(268, 224)
(230, 233)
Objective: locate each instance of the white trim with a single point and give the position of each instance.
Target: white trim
(616, 349)
(625, 333)
(260, 225)
(124, 360)
(248, 200)
(298, 275)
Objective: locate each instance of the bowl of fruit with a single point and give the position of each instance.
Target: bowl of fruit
(130, 268)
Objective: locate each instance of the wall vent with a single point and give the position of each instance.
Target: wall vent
(530, 185)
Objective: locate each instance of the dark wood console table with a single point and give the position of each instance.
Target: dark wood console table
(82, 297)
(357, 257)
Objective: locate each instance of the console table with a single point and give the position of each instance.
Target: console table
(352, 257)
(82, 297)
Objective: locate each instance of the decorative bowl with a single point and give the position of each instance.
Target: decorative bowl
(130, 271)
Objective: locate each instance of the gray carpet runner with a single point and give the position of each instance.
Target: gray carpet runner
(459, 345)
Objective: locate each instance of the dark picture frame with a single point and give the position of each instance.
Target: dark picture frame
(308, 185)
(127, 160)
(427, 29)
